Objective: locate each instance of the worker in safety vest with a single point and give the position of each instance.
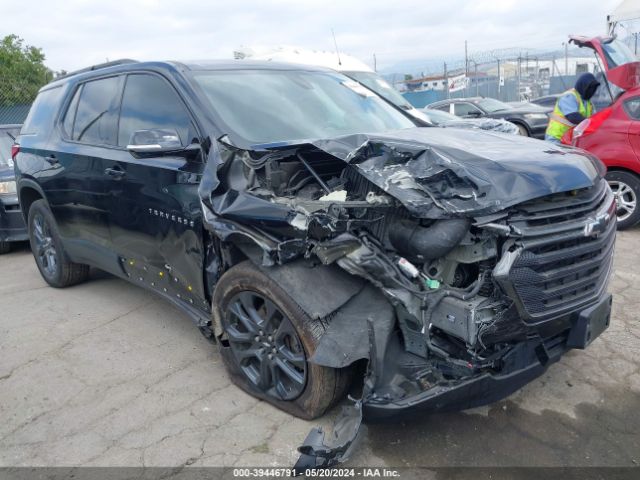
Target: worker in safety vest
(572, 107)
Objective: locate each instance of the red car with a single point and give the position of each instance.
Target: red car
(613, 133)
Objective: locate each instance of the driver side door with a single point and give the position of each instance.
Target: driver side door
(155, 219)
(466, 110)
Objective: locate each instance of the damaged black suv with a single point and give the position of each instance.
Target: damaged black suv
(309, 228)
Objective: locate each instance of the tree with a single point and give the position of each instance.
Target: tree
(22, 71)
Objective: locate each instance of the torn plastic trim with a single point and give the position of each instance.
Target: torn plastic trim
(315, 451)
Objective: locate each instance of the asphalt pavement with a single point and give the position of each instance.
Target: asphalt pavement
(108, 374)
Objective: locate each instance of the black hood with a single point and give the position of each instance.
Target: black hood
(434, 172)
(586, 85)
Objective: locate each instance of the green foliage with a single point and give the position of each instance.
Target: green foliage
(22, 71)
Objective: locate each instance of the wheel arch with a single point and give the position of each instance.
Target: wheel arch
(29, 192)
(520, 123)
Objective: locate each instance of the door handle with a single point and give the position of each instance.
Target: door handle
(115, 172)
(51, 160)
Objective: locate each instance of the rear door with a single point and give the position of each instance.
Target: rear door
(155, 217)
(75, 184)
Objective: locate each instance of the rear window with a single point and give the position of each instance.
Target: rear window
(42, 112)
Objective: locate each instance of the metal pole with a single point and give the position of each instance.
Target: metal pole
(375, 63)
(466, 60)
(499, 78)
(566, 58)
(476, 75)
(446, 79)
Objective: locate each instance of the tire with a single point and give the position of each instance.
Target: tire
(49, 254)
(5, 247)
(626, 188)
(248, 348)
(522, 130)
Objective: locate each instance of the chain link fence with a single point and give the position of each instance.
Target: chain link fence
(509, 75)
(16, 97)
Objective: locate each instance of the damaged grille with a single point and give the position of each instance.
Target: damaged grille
(566, 251)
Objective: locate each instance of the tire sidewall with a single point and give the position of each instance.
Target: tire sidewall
(633, 181)
(320, 387)
(40, 207)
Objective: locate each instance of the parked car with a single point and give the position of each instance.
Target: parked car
(445, 119)
(531, 120)
(613, 134)
(309, 228)
(12, 226)
(548, 101)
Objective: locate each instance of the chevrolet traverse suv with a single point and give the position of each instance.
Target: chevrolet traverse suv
(309, 227)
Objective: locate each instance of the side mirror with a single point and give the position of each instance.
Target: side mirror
(156, 140)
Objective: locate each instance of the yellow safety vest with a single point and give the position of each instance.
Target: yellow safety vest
(558, 123)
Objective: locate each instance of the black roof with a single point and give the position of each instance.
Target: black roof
(202, 65)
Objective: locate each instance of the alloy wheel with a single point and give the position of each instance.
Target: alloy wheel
(626, 200)
(266, 345)
(46, 253)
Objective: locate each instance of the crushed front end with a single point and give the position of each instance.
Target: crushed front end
(458, 275)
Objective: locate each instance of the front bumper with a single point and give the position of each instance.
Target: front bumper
(12, 225)
(525, 362)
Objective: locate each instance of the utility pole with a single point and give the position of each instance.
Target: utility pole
(566, 58)
(636, 47)
(375, 63)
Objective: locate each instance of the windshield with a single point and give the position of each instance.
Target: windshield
(618, 53)
(438, 116)
(490, 105)
(263, 106)
(379, 85)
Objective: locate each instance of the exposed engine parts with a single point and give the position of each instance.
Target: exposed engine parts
(450, 258)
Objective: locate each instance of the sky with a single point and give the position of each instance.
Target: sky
(77, 33)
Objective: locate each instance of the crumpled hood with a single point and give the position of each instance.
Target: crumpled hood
(437, 172)
(433, 172)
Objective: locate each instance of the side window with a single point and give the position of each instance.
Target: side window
(42, 112)
(149, 102)
(464, 109)
(70, 116)
(444, 108)
(96, 119)
(632, 106)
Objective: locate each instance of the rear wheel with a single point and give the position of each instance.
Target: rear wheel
(267, 343)
(626, 190)
(48, 251)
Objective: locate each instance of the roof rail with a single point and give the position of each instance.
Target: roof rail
(122, 61)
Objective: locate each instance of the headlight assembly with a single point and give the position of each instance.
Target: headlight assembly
(536, 116)
(7, 188)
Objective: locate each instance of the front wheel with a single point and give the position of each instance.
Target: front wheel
(5, 247)
(626, 190)
(522, 130)
(267, 343)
